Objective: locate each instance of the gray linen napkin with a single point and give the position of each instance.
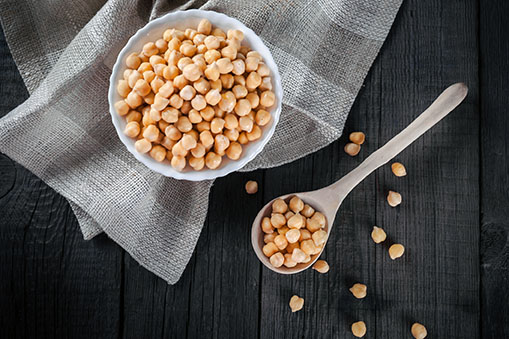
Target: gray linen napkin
(63, 133)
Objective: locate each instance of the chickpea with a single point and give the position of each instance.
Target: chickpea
(229, 52)
(357, 138)
(199, 39)
(160, 102)
(156, 84)
(173, 133)
(133, 99)
(269, 237)
(162, 125)
(198, 151)
(176, 101)
(146, 118)
(219, 113)
(235, 33)
(246, 124)
(359, 290)
(149, 76)
(183, 62)
(178, 150)
(281, 242)
(151, 133)
(145, 67)
(203, 126)
(154, 114)
(199, 102)
(266, 225)
(187, 93)
(166, 90)
(289, 214)
(239, 67)
(158, 69)
(202, 86)
(218, 32)
(296, 303)
(266, 84)
(173, 44)
(239, 80)
(192, 72)
(378, 235)
(289, 261)
(230, 121)
(174, 57)
(307, 211)
(212, 72)
(352, 149)
(188, 50)
(253, 80)
(197, 163)
(221, 143)
(292, 235)
(267, 98)
(277, 259)
(186, 107)
(296, 204)
(296, 221)
(225, 65)
(194, 116)
(398, 169)
(227, 102)
(206, 138)
(254, 54)
(127, 73)
(312, 225)
(393, 198)
(142, 146)
(396, 251)
(204, 27)
(226, 80)
(156, 60)
(216, 84)
(308, 247)
(231, 134)
(277, 220)
(234, 151)
(298, 255)
(207, 113)
(211, 56)
(123, 88)
(251, 64)
(184, 125)
(133, 116)
(321, 266)
(180, 82)
(319, 237)
(133, 61)
(178, 162)
(121, 107)
(240, 92)
(320, 218)
(212, 42)
(279, 206)
(158, 152)
(190, 33)
(269, 249)
(170, 72)
(149, 98)
(150, 49)
(161, 45)
(419, 331)
(212, 160)
(188, 142)
(253, 99)
(263, 70)
(133, 78)
(168, 143)
(359, 329)
(132, 129)
(255, 133)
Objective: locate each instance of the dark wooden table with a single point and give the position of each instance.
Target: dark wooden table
(454, 219)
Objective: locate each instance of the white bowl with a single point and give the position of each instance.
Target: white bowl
(181, 20)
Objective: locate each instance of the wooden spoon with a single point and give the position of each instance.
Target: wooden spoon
(328, 199)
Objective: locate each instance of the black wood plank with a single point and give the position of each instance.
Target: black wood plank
(494, 70)
(54, 284)
(434, 44)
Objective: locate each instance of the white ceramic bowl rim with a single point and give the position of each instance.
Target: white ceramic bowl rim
(253, 149)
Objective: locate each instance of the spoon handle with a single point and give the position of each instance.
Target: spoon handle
(443, 105)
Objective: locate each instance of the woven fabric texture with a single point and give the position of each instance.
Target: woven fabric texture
(63, 133)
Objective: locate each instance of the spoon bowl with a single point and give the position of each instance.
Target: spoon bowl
(328, 199)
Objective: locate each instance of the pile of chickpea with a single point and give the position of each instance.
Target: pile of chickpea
(293, 233)
(194, 96)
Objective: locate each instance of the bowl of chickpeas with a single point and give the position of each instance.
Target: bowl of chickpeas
(195, 95)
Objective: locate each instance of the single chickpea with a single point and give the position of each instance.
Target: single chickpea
(419, 331)
(225, 65)
(158, 152)
(253, 99)
(298, 255)
(266, 225)
(186, 107)
(174, 44)
(296, 221)
(133, 78)
(398, 169)
(197, 163)
(320, 218)
(296, 303)
(239, 80)
(255, 133)
(194, 116)
(154, 114)
(230, 121)
(359, 329)
(357, 138)
(269, 237)
(359, 290)
(149, 76)
(206, 138)
(178, 150)
(281, 242)
(133, 116)
(289, 214)
(166, 90)
(123, 88)
(262, 117)
(240, 92)
(307, 211)
(378, 235)
(198, 151)
(149, 98)
(145, 67)
(133, 99)
(192, 72)
(133, 61)
(319, 237)
(180, 82)
(253, 80)
(266, 84)
(188, 50)
(142, 145)
(151, 133)
(161, 45)
(168, 34)
(184, 125)
(212, 72)
(200, 62)
(132, 129)
(393, 198)
(212, 42)
(246, 124)
(199, 102)
(292, 235)
(156, 60)
(176, 101)
(267, 98)
(158, 69)
(150, 49)
(173, 133)
(234, 150)
(190, 33)
(199, 39)
(156, 84)
(202, 86)
(168, 143)
(211, 56)
(396, 251)
(289, 261)
(308, 247)
(321, 266)
(212, 161)
(204, 27)
(235, 33)
(269, 249)
(178, 162)
(203, 126)
(188, 142)
(231, 134)
(216, 84)
(251, 64)
(226, 80)
(277, 220)
(277, 259)
(279, 206)
(183, 62)
(173, 58)
(243, 138)
(218, 32)
(218, 112)
(221, 143)
(147, 120)
(239, 67)
(187, 93)
(229, 52)
(160, 102)
(296, 204)
(263, 70)
(127, 73)
(255, 54)
(213, 97)
(352, 149)
(227, 102)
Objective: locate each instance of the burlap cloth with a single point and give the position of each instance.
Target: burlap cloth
(63, 133)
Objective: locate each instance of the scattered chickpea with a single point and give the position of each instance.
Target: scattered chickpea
(357, 138)
(296, 303)
(396, 251)
(419, 331)
(359, 329)
(358, 290)
(251, 187)
(321, 266)
(398, 169)
(393, 198)
(352, 149)
(378, 234)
